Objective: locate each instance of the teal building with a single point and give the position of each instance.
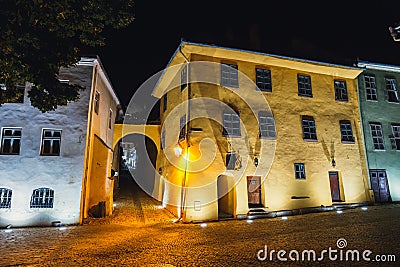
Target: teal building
(380, 117)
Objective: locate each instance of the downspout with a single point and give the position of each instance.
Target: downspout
(183, 191)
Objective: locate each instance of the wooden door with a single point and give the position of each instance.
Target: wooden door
(380, 186)
(335, 186)
(254, 190)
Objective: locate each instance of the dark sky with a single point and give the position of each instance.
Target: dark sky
(329, 31)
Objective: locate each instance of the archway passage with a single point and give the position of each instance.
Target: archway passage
(136, 183)
(226, 197)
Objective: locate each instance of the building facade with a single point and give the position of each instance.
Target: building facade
(242, 130)
(56, 166)
(380, 113)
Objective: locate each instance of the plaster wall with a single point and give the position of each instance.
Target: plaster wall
(280, 189)
(385, 113)
(28, 171)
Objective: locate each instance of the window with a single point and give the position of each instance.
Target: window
(42, 198)
(162, 139)
(231, 124)
(229, 75)
(11, 141)
(395, 138)
(96, 102)
(304, 85)
(51, 142)
(184, 78)
(370, 87)
(5, 198)
(377, 136)
(165, 98)
(263, 80)
(182, 127)
(340, 91)
(110, 116)
(391, 90)
(232, 161)
(299, 171)
(267, 126)
(309, 129)
(346, 131)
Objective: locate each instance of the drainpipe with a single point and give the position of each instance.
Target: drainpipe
(183, 191)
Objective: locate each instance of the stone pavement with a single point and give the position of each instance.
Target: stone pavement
(133, 207)
(147, 237)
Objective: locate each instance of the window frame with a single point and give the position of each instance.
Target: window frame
(182, 127)
(346, 138)
(269, 133)
(51, 139)
(395, 138)
(341, 93)
(371, 87)
(184, 77)
(312, 134)
(162, 141)
(5, 198)
(264, 79)
(393, 88)
(12, 139)
(300, 171)
(42, 198)
(379, 138)
(230, 161)
(230, 131)
(96, 103)
(229, 75)
(304, 86)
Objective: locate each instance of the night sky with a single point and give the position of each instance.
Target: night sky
(328, 31)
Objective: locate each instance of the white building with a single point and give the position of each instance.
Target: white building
(56, 166)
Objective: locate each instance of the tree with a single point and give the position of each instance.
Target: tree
(37, 37)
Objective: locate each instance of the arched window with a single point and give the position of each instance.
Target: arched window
(42, 198)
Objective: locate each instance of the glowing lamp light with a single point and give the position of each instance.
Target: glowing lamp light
(339, 211)
(203, 225)
(178, 151)
(284, 218)
(364, 208)
(114, 205)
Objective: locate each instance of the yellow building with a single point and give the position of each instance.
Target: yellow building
(243, 130)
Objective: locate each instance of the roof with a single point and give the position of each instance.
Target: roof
(92, 61)
(378, 66)
(187, 48)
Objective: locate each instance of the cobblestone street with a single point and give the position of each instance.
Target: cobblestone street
(140, 234)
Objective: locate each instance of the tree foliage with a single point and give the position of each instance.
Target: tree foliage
(37, 37)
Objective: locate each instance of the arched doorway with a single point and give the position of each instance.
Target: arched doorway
(138, 156)
(226, 196)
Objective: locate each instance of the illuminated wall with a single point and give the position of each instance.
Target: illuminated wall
(377, 107)
(65, 173)
(280, 190)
